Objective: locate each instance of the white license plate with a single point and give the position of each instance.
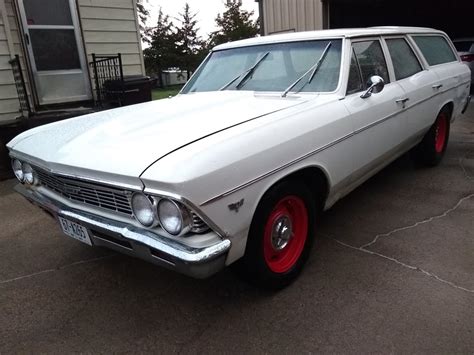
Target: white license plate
(75, 230)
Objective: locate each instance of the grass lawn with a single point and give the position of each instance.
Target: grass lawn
(158, 94)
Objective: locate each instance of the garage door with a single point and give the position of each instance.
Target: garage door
(456, 17)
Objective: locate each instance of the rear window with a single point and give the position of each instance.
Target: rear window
(435, 49)
(464, 46)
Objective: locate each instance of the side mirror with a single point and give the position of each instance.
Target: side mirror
(376, 84)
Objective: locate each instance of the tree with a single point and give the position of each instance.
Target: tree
(143, 14)
(189, 45)
(234, 24)
(162, 52)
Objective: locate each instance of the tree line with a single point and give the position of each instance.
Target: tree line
(177, 44)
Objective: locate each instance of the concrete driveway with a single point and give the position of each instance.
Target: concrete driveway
(393, 271)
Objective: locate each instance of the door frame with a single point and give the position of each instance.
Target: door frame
(29, 55)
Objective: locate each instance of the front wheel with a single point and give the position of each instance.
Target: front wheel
(280, 237)
(431, 150)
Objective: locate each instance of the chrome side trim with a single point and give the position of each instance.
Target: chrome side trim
(283, 167)
(320, 149)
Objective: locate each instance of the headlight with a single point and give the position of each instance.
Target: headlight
(143, 209)
(18, 170)
(174, 218)
(29, 174)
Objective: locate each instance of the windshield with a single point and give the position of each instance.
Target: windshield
(270, 67)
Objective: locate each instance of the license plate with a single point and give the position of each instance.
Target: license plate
(75, 230)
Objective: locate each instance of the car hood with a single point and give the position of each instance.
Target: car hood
(125, 141)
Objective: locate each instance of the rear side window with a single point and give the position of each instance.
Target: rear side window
(404, 60)
(435, 49)
(371, 60)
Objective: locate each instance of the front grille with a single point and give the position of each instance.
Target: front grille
(109, 198)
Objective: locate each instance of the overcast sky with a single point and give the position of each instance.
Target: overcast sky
(207, 11)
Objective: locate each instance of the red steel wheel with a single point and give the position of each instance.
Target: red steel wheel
(285, 234)
(281, 235)
(431, 149)
(441, 131)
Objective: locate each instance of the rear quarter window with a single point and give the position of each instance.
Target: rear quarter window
(435, 49)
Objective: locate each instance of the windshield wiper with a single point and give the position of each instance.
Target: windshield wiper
(245, 75)
(313, 70)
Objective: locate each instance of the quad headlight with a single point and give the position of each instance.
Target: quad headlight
(24, 172)
(174, 217)
(144, 209)
(17, 167)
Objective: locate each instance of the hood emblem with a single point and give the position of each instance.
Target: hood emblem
(236, 206)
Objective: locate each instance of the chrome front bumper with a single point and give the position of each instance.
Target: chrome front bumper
(138, 242)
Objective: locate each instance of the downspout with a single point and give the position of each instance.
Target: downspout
(261, 17)
(139, 37)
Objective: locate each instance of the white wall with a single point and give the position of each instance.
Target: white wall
(111, 27)
(292, 15)
(9, 104)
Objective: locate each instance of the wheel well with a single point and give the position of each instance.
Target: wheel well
(315, 179)
(450, 107)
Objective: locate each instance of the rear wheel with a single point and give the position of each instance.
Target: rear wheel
(431, 150)
(280, 237)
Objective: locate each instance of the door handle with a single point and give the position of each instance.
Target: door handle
(437, 86)
(402, 101)
(27, 39)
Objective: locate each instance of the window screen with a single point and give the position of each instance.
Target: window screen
(48, 12)
(435, 49)
(371, 60)
(404, 60)
(55, 49)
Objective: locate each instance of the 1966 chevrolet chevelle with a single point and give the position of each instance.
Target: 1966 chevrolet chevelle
(267, 132)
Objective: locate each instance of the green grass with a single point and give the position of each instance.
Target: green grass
(158, 94)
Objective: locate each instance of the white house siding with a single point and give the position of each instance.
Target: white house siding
(292, 15)
(108, 27)
(9, 104)
(111, 27)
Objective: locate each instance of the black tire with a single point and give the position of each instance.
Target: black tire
(431, 149)
(261, 264)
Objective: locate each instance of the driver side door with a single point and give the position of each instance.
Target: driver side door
(375, 119)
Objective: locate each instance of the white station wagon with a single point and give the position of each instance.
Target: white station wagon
(234, 169)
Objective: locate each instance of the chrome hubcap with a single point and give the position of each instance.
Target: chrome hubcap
(282, 232)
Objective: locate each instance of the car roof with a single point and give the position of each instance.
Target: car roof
(333, 33)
